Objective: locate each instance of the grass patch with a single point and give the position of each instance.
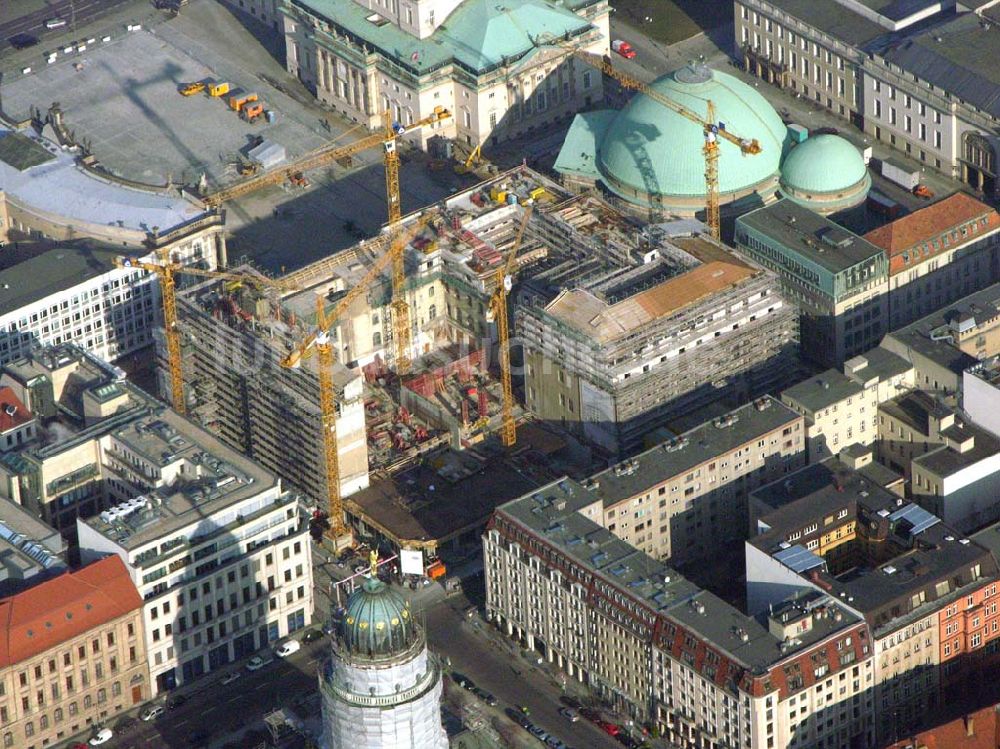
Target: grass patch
(674, 20)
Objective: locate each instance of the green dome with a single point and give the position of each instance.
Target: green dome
(651, 150)
(823, 164)
(377, 620)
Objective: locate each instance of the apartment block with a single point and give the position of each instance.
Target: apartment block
(840, 408)
(613, 355)
(944, 344)
(664, 652)
(838, 280)
(889, 561)
(952, 464)
(683, 498)
(219, 552)
(74, 655)
(74, 401)
(938, 254)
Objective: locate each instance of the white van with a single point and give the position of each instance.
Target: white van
(55, 23)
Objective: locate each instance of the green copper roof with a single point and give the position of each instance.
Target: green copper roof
(479, 34)
(823, 164)
(653, 149)
(577, 156)
(377, 620)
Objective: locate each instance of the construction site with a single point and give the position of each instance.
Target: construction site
(400, 366)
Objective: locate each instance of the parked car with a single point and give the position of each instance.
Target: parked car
(485, 696)
(554, 743)
(571, 701)
(126, 723)
(23, 41)
(627, 741)
(539, 733)
(569, 714)
(286, 649)
(58, 23)
(176, 701)
(230, 677)
(103, 736)
(463, 681)
(590, 714)
(517, 717)
(825, 131)
(257, 663)
(611, 729)
(151, 712)
(312, 635)
(623, 48)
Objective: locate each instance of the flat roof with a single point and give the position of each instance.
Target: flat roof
(552, 513)
(834, 19)
(21, 152)
(811, 236)
(61, 188)
(877, 363)
(692, 448)
(29, 276)
(823, 390)
(915, 409)
(220, 477)
(425, 503)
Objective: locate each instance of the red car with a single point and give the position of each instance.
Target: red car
(609, 728)
(623, 48)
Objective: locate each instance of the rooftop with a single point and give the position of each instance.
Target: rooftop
(822, 391)
(479, 35)
(918, 236)
(552, 514)
(447, 494)
(916, 408)
(12, 412)
(907, 548)
(690, 449)
(957, 57)
(27, 546)
(814, 238)
(834, 19)
(60, 187)
(877, 363)
(30, 276)
(211, 477)
(57, 610)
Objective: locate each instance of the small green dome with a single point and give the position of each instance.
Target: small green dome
(377, 620)
(651, 150)
(823, 164)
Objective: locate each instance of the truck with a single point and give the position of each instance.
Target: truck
(884, 206)
(239, 98)
(900, 174)
(252, 111)
(623, 48)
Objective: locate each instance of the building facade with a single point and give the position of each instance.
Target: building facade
(489, 65)
(937, 255)
(837, 279)
(219, 552)
(664, 652)
(682, 498)
(75, 655)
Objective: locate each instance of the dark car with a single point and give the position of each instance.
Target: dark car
(199, 737)
(23, 41)
(126, 723)
(312, 635)
(590, 714)
(570, 701)
(463, 681)
(485, 696)
(627, 741)
(518, 717)
(176, 701)
(825, 131)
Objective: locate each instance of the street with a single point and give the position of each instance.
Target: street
(76, 13)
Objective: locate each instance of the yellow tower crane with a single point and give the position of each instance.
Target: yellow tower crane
(708, 123)
(166, 271)
(319, 340)
(386, 137)
(498, 311)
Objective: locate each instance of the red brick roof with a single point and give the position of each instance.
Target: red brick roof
(64, 607)
(12, 412)
(905, 233)
(983, 725)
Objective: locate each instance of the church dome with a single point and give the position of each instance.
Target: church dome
(377, 620)
(651, 155)
(825, 173)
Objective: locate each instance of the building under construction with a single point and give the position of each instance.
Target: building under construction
(622, 325)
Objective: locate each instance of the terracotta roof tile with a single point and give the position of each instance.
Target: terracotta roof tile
(978, 730)
(12, 412)
(64, 607)
(903, 234)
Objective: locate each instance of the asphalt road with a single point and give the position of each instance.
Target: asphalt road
(76, 13)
